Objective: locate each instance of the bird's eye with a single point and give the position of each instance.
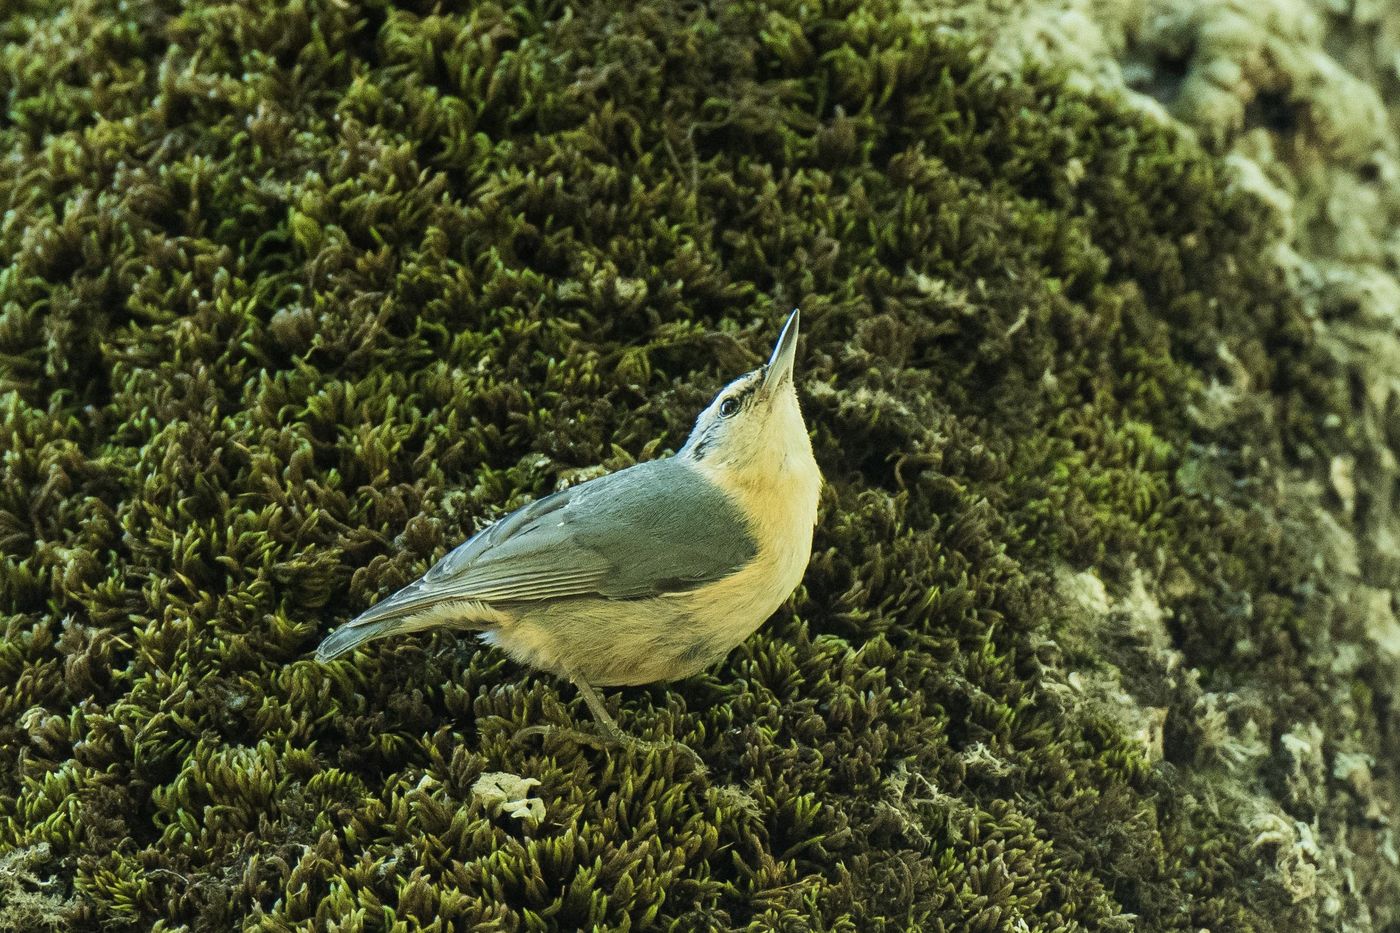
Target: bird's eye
(728, 407)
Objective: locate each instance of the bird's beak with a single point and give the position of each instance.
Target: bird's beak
(780, 364)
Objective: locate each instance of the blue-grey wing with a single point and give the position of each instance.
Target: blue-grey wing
(654, 528)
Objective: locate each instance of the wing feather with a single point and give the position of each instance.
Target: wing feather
(656, 527)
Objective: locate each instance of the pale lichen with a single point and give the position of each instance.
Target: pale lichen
(504, 793)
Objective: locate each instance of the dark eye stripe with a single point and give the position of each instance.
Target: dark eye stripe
(744, 394)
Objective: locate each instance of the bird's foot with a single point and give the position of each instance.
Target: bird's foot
(614, 734)
(577, 735)
(611, 733)
(613, 737)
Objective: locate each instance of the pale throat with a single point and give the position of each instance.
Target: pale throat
(777, 486)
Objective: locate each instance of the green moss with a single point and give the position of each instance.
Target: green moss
(297, 296)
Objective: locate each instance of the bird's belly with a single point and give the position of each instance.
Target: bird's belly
(613, 643)
(608, 643)
(742, 601)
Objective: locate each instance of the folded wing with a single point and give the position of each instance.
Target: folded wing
(655, 528)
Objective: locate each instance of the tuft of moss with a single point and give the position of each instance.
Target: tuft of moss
(297, 296)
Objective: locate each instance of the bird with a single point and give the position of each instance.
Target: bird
(645, 575)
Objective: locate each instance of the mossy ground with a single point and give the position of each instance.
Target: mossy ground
(298, 295)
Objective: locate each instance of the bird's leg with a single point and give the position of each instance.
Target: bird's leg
(612, 733)
(606, 724)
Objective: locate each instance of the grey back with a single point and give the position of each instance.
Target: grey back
(654, 528)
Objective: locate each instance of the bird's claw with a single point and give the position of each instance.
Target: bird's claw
(613, 737)
(578, 735)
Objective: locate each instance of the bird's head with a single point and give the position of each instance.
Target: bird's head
(754, 423)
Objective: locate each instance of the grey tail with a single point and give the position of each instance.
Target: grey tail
(350, 636)
(387, 617)
(404, 612)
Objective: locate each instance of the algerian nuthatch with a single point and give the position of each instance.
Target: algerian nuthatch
(647, 574)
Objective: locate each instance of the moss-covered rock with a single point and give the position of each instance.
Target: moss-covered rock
(297, 296)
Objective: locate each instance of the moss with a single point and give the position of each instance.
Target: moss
(297, 296)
